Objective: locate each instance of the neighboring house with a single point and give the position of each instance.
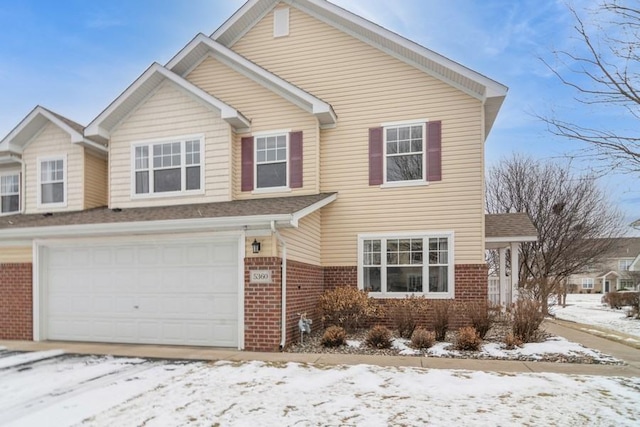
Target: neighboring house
(619, 270)
(298, 148)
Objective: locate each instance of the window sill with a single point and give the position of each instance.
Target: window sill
(167, 194)
(402, 295)
(400, 184)
(271, 190)
(9, 213)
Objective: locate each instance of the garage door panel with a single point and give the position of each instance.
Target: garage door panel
(173, 293)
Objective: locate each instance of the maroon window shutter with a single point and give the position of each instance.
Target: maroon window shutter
(375, 156)
(247, 163)
(295, 159)
(434, 151)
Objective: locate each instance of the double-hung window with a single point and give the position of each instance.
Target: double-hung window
(587, 283)
(624, 264)
(397, 265)
(405, 150)
(9, 193)
(52, 182)
(271, 161)
(168, 167)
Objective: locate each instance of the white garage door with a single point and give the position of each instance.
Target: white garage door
(176, 292)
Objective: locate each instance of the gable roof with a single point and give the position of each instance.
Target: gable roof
(202, 45)
(509, 227)
(490, 92)
(624, 247)
(102, 126)
(20, 137)
(253, 213)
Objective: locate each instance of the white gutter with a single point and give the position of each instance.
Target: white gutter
(283, 278)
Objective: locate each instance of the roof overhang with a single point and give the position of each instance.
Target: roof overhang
(166, 226)
(8, 158)
(604, 276)
(103, 125)
(31, 126)
(501, 242)
(201, 46)
(488, 91)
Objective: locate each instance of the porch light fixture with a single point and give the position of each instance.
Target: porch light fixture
(256, 246)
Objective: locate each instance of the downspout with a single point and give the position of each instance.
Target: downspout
(283, 297)
(23, 186)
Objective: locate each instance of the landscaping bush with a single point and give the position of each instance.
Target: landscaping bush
(406, 313)
(422, 339)
(334, 336)
(482, 316)
(347, 307)
(467, 339)
(526, 317)
(379, 337)
(441, 315)
(617, 300)
(511, 342)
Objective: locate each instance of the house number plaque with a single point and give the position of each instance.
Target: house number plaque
(260, 276)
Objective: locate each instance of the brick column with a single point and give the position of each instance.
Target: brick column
(16, 303)
(262, 308)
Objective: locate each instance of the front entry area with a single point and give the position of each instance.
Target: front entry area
(170, 291)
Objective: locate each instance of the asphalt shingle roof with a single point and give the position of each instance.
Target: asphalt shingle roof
(103, 215)
(509, 225)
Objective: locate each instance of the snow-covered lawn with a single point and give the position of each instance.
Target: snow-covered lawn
(587, 309)
(131, 392)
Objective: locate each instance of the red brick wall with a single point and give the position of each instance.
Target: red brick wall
(16, 304)
(262, 307)
(470, 285)
(340, 276)
(304, 287)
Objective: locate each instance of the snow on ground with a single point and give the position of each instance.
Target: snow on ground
(587, 309)
(258, 393)
(22, 358)
(535, 351)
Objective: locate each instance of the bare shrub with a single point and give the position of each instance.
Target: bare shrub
(511, 342)
(441, 315)
(422, 339)
(482, 316)
(617, 300)
(334, 336)
(347, 307)
(379, 337)
(527, 316)
(406, 313)
(467, 339)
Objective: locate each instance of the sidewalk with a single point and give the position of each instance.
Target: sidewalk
(569, 331)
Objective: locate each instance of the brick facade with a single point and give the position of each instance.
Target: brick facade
(16, 303)
(262, 308)
(340, 276)
(305, 284)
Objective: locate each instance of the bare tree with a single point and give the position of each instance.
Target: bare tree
(570, 213)
(604, 69)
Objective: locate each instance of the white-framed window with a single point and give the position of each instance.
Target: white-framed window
(626, 284)
(9, 193)
(52, 182)
(168, 167)
(396, 265)
(624, 264)
(272, 158)
(405, 153)
(587, 283)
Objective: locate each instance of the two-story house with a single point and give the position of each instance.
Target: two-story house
(297, 148)
(618, 270)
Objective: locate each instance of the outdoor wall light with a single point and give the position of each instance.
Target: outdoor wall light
(256, 246)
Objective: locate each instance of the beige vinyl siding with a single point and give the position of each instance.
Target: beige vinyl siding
(304, 242)
(268, 247)
(367, 87)
(14, 254)
(95, 181)
(267, 112)
(166, 114)
(52, 142)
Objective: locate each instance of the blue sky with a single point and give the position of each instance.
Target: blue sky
(76, 56)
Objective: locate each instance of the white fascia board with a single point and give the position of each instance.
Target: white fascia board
(492, 88)
(606, 274)
(238, 63)
(231, 115)
(297, 216)
(511, 239)
(635, 265)
(148, 227)
(235, 17)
